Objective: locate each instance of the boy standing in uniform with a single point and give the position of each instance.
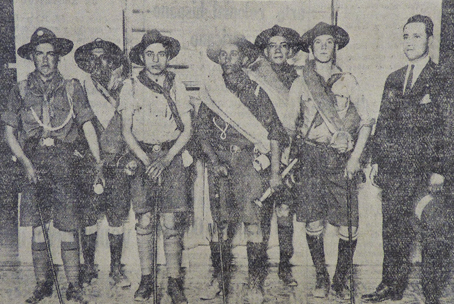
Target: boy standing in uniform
(156, 116)
(103, 60)
(335, 128)
(275, 76)
(238, 127)
(46, 110)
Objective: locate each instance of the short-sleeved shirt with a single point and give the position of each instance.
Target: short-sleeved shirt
(348, 94)
(153, 121)
(19, 112)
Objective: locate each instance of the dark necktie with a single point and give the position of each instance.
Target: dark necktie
(409, 80)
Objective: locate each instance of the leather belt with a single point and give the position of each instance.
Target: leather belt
(157, 147)
(49, 142)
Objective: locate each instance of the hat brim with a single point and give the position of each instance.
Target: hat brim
(291, 35)
(246, 47)
(62, 47)
(340, 36)
(82, 53)
(171, 45)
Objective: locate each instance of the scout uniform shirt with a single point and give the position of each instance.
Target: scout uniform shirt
(153, 121)
(29, 111)
(349, 100)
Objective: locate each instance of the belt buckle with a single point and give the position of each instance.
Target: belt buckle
(47, 142)
(235, 149)
(156, 148)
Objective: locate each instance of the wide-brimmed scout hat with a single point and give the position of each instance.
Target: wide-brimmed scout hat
(292, 36)
(62, 46)
(246, 47)
(339, 34)
(154, 36)
(83, 53)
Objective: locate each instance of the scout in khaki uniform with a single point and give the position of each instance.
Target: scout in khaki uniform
(47, 110)
(273, 73)
(156, 126)
(102, 60)
(335, 128)
(239, 126)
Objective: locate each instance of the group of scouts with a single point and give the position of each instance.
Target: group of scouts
(125, 138)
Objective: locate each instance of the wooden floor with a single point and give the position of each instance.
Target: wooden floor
(17, 283)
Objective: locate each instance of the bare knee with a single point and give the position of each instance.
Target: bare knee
(315, 228)
(253, 233)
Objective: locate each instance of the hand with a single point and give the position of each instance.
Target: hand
(30, 172)
(220, 170)
(155, 169)
(275, 182)
(373, 173)
(436, 183)
(353, 166)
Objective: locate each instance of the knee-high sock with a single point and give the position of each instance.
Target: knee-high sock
(41, 263)
(71, 261)
(344, 257)
(116, 247)
(317, 251)
(89, 248)
(285, 234)
(145, 245)
(173, 252)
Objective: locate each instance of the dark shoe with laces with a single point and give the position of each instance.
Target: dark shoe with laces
(145, 290)
(75, 293)
(42, 290)
(119, 278)
(175, 290)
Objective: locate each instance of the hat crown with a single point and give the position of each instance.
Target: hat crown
(152, 36)
(42, 34)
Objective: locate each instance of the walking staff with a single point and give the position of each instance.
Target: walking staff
(47, 112)
(334, 131)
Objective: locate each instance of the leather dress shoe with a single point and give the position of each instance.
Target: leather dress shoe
(382, 294)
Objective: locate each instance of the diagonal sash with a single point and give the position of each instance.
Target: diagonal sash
(101, 102)
(229, 107)
(165, 90)
(323, 99)
(277, 92)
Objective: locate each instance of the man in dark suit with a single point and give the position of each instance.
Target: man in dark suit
(404, 153)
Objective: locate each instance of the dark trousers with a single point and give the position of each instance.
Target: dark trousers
(398, 196)
(435, 269)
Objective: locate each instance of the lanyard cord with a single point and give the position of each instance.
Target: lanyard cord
(223, 131)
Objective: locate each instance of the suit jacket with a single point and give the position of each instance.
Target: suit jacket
(408, 133)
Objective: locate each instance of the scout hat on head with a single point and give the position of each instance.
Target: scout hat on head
(43, 35)
(154, 36)
(246, 47)
(82, 54)
(340, 35)
(263, 38)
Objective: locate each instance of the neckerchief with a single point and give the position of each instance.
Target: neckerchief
(164, 90)
(45, 90)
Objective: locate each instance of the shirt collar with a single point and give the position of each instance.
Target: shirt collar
(419, 63)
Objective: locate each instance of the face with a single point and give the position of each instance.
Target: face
(230, 58)
(100, 63)
(155, 58)
(45, 59)
(416, 42)
(323, 48)
(278, 50)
